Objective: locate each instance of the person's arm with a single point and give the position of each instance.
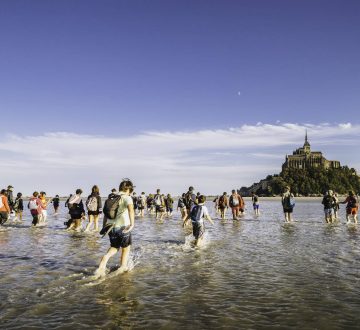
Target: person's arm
(345, 201)
(208, 217)
(132, 218)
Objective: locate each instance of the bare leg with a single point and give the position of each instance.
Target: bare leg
(100, 271)
(91, 220)
(96, 220)
(124, 258)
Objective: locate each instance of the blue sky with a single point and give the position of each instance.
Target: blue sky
(117, 69)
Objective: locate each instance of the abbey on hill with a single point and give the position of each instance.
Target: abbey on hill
(305, 158)
(307, 173)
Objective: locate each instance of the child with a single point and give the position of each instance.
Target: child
(120, 222)
(18, 207)
(197, 213)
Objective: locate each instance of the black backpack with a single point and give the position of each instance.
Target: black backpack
(111, 206)
(195, 214)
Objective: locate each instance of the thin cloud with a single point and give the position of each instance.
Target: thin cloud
(211, 159)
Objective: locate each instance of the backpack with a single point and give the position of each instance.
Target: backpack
(289, 202)
(92, 203)
(196, 213)
(234, 201)
(33, 204)
(158, 201)
(75, 209)
(188, 200)
(111, 206)
(222, 201)
(328, 202)
(181, 203)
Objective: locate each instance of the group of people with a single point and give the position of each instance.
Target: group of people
(332, 205)
(121, 207)
(37, 205)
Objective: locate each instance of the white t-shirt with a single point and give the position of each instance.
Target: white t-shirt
(122, 218)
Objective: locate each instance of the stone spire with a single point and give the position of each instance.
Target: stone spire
(306, 140)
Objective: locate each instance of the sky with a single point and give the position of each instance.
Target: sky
(173, 93)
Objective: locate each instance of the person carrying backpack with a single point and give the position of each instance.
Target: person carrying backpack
(255, 201)
(181, 205)
(76, 211)
(197, 215)
(288, 203)
(36, 207)
(169, 205)
(94, 207)
(160, 206)
(223, 205)
(235, 203)
(141, 201)
(18, 207)
(119, 220)
(4, 207)
(56, 203)
(351, 207)
(190, 199)
(329, 203)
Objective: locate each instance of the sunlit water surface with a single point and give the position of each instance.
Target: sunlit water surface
(256, 273)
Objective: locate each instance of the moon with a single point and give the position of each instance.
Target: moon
(239, 93)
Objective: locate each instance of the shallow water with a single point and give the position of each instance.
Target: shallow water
(256, 273)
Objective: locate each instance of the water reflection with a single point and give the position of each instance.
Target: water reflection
(252, 273)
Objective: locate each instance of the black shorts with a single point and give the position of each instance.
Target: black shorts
(288, 209)
(198, 229)
(93, 212)
(160, 209)
(118, 239)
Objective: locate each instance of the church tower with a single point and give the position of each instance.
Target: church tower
(307, 148)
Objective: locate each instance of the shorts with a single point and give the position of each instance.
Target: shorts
(169, 209)
(256, 206)
(93, 212)
(288, 210)
(198, 229)
(235, 208)
(118, 239)
(3, 217)
(328, 212)
(351, 210)
(160, 209)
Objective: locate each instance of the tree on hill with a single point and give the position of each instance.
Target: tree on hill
(313, 181)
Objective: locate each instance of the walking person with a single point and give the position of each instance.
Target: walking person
(329, 203)
(18, 207)
(4, 207)
(351, 207)
(36, 207)
(76, 211)
(182, 207)
(44, 201)
(119, 220)
(223, 205)
(235, 202)
(197, 215)
(288, 203)
(94, 207)
(10, 197)
(56, 204)
(160, 206)
(169, 205)
(255, 201)
(142, 204)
